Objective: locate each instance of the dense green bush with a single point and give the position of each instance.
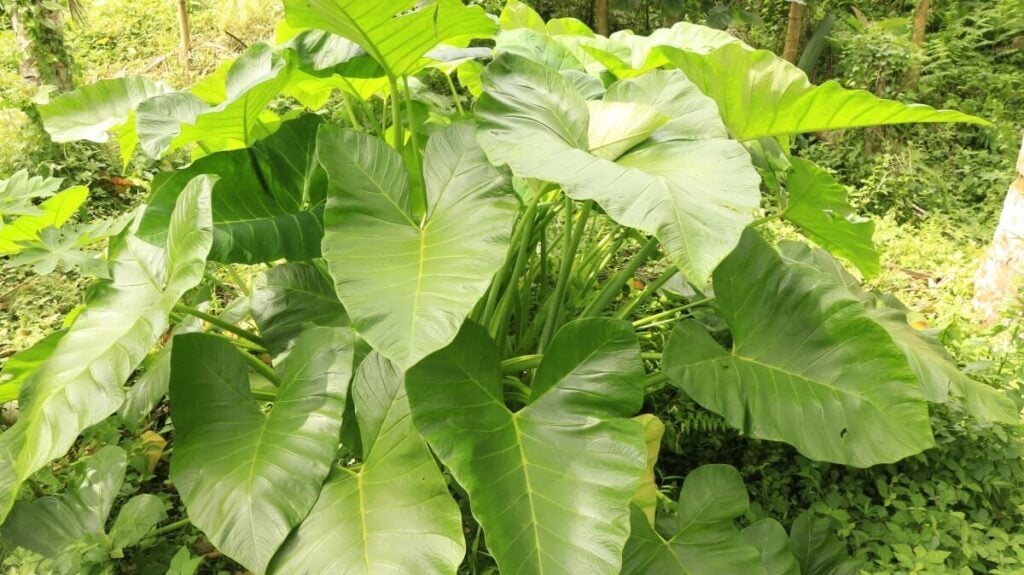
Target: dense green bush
(440, 361)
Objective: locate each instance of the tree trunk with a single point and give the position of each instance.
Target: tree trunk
(39, 35)
(601, 17)
(998, 279)
(29, 68)
(186, 39)
(794, 29)
(917, 37)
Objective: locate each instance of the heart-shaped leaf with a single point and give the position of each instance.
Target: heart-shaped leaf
(550, 483)
(808, 366)
(267, 203)
(392, 514)
(412, 302)
(248, 477)
(705, 539)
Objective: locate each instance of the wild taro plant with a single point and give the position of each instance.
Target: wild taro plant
(441, 297)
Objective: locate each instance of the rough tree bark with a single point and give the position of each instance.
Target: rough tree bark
(1001, 273)
(794, 29)
(602, 18)
(39, 36)
(917, 38)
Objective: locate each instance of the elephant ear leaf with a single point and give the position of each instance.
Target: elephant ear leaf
(705, 538)
(940, 378)
(51, 526)
(396, 33)
(80, 384)
(229, 452)
(170, 121)
(653, 153)
(412, 302)
(268, 201)
(550, 483)
(818, 207)
(808, 366)
(787, 103)
(92, 112)
(393, 513)
(817, 549)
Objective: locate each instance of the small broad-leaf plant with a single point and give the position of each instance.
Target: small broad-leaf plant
(444, 296)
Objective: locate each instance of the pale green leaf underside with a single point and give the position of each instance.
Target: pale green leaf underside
(393, 514)
(91, 112)
(81, 383)
(550, 483)
(808, 366)
(20, 366)
(687, 183)
(408, 285)
(247, 477)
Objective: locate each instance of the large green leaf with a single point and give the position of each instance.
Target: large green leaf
(762, 95)
(941, 379)
(396, 33)
(287, 298)
(408, 284)
(81, 383)
(550, 483)
(56, 211)
(683, 181)
(705, 539)
(267, 203)
(817, 205)
(173, 120)
(50, 525)
(808, 365)
(248, 477)
(92, 111)
(20, 366)
(392, 514)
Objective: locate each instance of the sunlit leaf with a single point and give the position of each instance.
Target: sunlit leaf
(686, 183)
(412, 302)
(550, 483)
